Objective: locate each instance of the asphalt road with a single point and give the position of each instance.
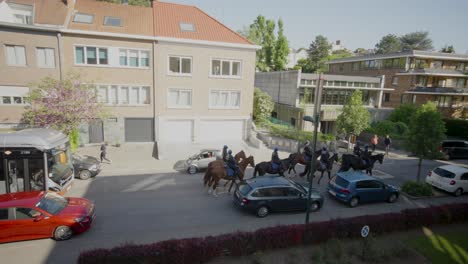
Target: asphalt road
(155, 207)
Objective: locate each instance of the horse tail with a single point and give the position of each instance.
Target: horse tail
(255, 171)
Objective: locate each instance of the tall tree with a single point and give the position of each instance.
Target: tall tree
(426, 131)
(281, 49)
(448, 49)
(256, 34)
(263, 106)
(418, 40)
(269, 44)
(388, 44)
(304, 65)
(130, 2)
(354, 118)
(63, 105)
(319, 50)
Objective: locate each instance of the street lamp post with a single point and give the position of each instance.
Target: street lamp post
(316, 122)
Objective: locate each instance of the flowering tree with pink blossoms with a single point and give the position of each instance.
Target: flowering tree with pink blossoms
(62, 105)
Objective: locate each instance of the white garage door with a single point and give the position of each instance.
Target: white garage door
(176, 131)
(221, 131)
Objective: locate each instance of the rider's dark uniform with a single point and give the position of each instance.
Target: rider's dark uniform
(231, 162)
(324, 158)
(357, 150)
(225, 154)
(365, 155)
(308, 153)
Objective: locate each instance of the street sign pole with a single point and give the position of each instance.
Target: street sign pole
(317, 103)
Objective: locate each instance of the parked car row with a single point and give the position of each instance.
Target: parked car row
(85, 166)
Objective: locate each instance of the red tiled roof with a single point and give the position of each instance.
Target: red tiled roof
(168, 16)
(51, 12)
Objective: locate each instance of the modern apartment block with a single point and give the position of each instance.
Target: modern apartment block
(168, 73)
(293, 94)
(416, 77)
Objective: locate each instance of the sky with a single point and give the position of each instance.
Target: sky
(357, 23)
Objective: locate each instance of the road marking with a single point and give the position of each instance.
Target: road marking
(382, 175)
(151, 184)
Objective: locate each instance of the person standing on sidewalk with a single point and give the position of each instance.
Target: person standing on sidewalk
(104, 153)
(374, 142)
(387, 143)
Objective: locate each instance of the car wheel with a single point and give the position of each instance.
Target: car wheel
(85, 174)
(262, 211)
(192, 170)
(392, 198)
(62, 233)
(314, 206)
(354, 202)
(458, 192)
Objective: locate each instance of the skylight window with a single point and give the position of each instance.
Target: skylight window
(23, 14)
(187, 27)
(83, 18)
(112, 21)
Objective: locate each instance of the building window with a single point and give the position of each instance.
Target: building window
(220, 99)
(225, 68)
(91, 55)
(22, 14)
(123, 95)
(45, 57)
(187, 27)
(179, 98)
(15, 55)
(112, 21)
(355, 66)
(180, 65)
(395, 80)
(443, 101)
(83, 18)
(386, 97)
(133, 58)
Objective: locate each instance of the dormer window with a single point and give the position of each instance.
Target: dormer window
(187, 27)
(112, 21)
(83, 18)
(22, 14)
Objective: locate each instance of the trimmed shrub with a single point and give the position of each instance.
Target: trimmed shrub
(417, 189)
(456, 127)
(199, 250)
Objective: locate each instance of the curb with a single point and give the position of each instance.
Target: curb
(421, 197)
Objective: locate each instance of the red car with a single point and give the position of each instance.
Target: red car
(33, 215)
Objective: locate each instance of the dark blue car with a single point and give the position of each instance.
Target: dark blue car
(354, 187)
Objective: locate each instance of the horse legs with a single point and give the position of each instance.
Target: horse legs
(321, 176)
(215, 184)
(230, 187)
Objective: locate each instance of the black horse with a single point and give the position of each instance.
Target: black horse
(266, 167)
(328, 168)
(300, 158)
(355, 162)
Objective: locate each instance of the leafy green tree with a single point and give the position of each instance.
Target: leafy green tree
(319, 50)
(388, 44)
(360, 51)
(281, 49)
(448, 49)
(403, 113)
(418, 40)
(263, 105)
(355, 117)
(269, 44)
(130, 2)
(425, 132)
(305, 65)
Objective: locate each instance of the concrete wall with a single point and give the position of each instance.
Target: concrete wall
(281, 86)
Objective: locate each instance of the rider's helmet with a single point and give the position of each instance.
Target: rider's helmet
(307, 143)
(229, 151)
(225, 147)
(324, 148)
(276, 149)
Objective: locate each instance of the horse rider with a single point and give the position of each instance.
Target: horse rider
(275, 160)
(365, 155)
(231, 162)
(225, 154)
(324, 158)
(307, 152)
(357, 150)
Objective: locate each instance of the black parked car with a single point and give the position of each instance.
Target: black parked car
(455, 149)
(273, 194)
(85, 166)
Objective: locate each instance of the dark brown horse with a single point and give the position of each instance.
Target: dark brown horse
(218, 173)
(355, 162)
(300, 158)
(220, 163)
(266, 167)
(328, 168)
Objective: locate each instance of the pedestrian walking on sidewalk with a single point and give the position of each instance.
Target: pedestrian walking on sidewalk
(104, 153)
(374, 142)
(387, 143)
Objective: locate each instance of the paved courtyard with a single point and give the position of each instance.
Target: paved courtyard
(143, 200)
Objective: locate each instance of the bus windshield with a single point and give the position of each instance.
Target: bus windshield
(60, 166)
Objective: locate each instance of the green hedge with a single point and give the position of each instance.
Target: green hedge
(417, 189)
(456, 128)
(292, 133)
(396, 130)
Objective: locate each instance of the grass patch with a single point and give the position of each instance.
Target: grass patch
(442, 248)
(417, 189)
(289, 132)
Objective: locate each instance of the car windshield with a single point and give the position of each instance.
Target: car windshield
(341, 182)
(300, 187)
(52, 203)
(195, 156)
(244, 188)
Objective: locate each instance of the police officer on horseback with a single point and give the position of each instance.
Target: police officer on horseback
(365, 155)
(231, 162)
(225, 153)
(275, 160)
(357, 149)
(324, 158)
(307, 151)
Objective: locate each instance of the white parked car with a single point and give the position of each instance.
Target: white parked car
(450, 178)
(201, 160)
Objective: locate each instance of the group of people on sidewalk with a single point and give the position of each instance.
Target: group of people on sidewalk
(387, 141)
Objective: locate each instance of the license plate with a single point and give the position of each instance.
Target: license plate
(332, 192)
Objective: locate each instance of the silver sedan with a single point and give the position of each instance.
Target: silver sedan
(201, 160)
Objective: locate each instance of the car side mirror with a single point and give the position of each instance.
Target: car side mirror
(39, 218)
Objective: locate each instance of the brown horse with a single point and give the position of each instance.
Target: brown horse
(220, 163)
(300, 158)
(218, 173)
